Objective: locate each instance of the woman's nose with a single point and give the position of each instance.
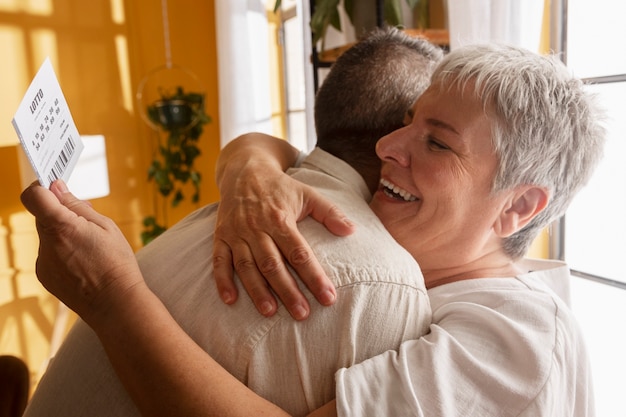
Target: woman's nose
(393, 147)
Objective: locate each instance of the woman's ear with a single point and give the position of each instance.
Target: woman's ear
(525, 203)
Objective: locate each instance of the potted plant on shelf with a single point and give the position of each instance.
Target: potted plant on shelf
(326, 13)
(181, 116)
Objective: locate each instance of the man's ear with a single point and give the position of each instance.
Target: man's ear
(525, 203)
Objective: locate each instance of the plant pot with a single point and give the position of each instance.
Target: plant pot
(173, 114)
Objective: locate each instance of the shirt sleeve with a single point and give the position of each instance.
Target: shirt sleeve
(481, 358)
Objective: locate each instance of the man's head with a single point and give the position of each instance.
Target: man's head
(367, 93)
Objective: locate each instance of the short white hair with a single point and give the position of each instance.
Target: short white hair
(546, 127)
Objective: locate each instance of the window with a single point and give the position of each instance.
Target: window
(298, 74)
(595, 225)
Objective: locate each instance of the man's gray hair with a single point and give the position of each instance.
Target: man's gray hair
(368, 92)
(546, 127)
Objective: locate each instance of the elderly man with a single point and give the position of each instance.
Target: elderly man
(365, 96)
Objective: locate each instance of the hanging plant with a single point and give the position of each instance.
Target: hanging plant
(181, 116)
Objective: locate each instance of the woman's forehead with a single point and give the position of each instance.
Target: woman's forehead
(460, 111)
(447, 100)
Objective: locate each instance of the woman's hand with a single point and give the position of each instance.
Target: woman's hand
(83, 259)
(256, 229)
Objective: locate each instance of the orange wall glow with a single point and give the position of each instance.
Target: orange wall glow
(100, 50)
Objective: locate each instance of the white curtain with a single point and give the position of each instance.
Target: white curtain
(243, 68)
(516, 22)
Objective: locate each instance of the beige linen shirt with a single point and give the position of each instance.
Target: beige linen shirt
(381, 301)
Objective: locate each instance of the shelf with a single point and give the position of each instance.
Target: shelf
(439, 37)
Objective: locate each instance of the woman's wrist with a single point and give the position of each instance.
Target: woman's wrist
(253, 153)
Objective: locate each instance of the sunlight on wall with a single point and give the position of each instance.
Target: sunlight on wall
(24, 311)
(43, 44)
(117, 11)
(121, 47)
(6, 291)
(13, 81)
(37, 7)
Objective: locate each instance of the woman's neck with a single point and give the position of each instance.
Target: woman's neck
(481, 268)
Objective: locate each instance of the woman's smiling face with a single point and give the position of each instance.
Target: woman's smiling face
(435, 196)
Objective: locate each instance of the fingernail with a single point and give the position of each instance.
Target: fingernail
(227, 297)
(327, 297)
(299, 312)
(266, 308)
(62, 186)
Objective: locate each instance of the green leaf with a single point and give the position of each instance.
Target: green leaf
(335, 19)
(277, 5)
(196, 178)
(348, 7)
(153, 168)
(393, 12)
(413, 3)
(182, 176)
(174, 139)
(423, 13)
(191, 153)
(174, 158)
(178, 197)
(153, 230)
(164, 184)
(325, 13)
(194, 98)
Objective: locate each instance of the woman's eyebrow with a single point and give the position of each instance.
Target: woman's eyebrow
(443, 125)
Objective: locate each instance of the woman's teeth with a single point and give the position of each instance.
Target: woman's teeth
(396, 192)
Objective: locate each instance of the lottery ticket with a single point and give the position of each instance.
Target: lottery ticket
(46, 130)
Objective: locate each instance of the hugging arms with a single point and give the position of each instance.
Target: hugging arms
(452, 193)
(293, 364)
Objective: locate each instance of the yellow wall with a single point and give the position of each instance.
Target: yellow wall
(101, 50)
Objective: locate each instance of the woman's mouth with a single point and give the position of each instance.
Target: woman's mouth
(396, 192)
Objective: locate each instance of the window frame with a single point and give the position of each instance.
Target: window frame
(559, 44)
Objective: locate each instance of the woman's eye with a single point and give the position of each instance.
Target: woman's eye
(436, 145)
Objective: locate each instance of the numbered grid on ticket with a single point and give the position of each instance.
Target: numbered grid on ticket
(46, 130)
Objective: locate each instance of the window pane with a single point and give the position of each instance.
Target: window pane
(295, 83)
(595, 37)
(595, 232)
(600, 310)
(295, 64)
(297, 129)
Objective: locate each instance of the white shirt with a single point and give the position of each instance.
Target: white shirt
(381, 301)
(496, 347)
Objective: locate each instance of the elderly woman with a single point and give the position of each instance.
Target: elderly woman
(496, 149)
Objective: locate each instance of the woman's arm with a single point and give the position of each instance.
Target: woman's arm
(256, 226)
(86, 262)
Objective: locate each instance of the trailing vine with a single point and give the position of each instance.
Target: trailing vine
(181, 116)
